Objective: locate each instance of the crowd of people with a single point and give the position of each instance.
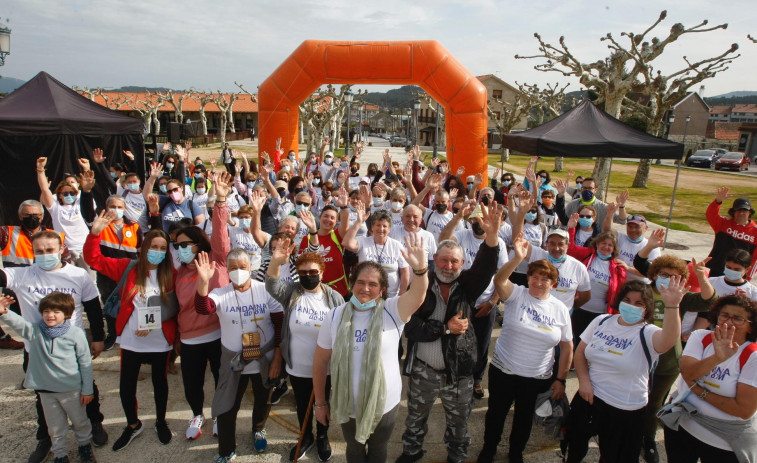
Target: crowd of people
(309, 272)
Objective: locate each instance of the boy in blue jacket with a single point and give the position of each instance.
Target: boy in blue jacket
(60, 370)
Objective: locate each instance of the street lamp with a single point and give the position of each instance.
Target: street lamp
(5, 43)
(671, 119)
(348, 95)
(417, 107)
(409, 113)
(436, 131)
(360, 127)
(678, 173)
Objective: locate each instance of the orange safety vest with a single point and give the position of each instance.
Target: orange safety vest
(19, 250)
(109, 238)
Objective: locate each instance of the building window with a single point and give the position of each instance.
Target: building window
(497, 94)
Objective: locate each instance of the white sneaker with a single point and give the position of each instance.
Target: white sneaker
(195, 427)
(215, 427)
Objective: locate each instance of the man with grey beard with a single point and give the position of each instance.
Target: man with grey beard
(442, 344)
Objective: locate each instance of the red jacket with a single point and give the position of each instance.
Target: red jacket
(586, 256)
(114, 268)
(729, 235)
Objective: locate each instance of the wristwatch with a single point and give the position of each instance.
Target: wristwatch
(447, 330)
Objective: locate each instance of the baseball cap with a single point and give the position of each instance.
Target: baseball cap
(365, 180)
(281, 184)
(558, 230)
(328, 154)
(742, 203)
(636, 218)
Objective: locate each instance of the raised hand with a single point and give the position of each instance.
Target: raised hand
(622, 198)
(416, 252)
(723, 343)
(102, 221)
(361, 216)
(223, 184)
(560, 186)
(41, 163)
(531, 176)
(460, 171)
(205, 268)
(674, 292)
(492, 218)
(496, 173)
(365, 194)
(342, 198)
(188, 145)
(453, 192)
(478, 179)
(435, 182)
(611, 209)
(181, 152)
(308, 220)
(435, 163)
(656, 238)
(97, 155)
(700, 267)
(520, 247)
(153, 203)
(280, 255)
(722, 194)
(258, 201)
(278, 144)
(5, 302)
(83, 163)
(213, 162)
(416, 153)
(156, 170)
(86, 180)
(525, 201)
(573, 220)
(130, 155)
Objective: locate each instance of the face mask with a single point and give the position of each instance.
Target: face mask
(310, 282)
(440, 208)
(298, 190)
(30, 222)
(239, 277)
(372, 173)
(245, 223)
(312, 160)
(326, 194)
(587, 196)
(470, 185)
(578, 185)
(119, 213)
(285, 168)
(291, 157)
(660, 282)
(630, 313)
(163, 188)
(485, 200)
(299, 208)
(316, 181)
(69, 199)
(542, 179)
(353, 169)
(328, 161)
(186, 255)
(47, 261)
(353, 208)
(198, 164)
(198, 175)
(556, 261)
(584, 222)
(397, 205)
(733, 275)
(169, 165)
(200, 191)
(477, 228)
(176, 196)
(378, 201)
(114, 175)
(530, 216)
(250, 185)
(547, 201)
(282, 193)
(132, 186)
(155, 257)
(360, 306)
(603, 256)
(344, 164)
(507, 183)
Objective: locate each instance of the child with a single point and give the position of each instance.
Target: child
(737, 262)
(60, 370)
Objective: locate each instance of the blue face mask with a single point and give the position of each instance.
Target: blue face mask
(198, 175)
(251, 185)
(542, 179)
(584, 222)
(469, 185)
(132, 186)
(603, 256)
(282, 193)
(155, 257)
(328, 161)
(360, 306)
(507, 183)
(291, 157)
(556, 261)
(378, 201)
(733, 275)
(637, 240)
(299, 208)
(660, 282)
(114, 175)
(186, 255)
(47, 261)
(69, 199)
(344, 164)
(587, 196)
(163, 188)
(245, 223)
(285, 168)
(530, 216)
(169, 165)
(316, 181)
(353, 208)
(119, 213)
(630, 313)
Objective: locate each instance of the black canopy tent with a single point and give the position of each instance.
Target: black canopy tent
(46, 118)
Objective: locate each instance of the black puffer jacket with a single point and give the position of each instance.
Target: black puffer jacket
(459, 350)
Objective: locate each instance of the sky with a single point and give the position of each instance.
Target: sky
(209, 45)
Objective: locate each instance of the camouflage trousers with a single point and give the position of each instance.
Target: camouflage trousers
(425, 385)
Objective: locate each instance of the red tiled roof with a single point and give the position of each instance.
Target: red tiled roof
(243, 104)
(371, 107)
(723, 130)
(745, 108)
(720, 109)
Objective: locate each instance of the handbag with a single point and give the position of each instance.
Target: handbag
(168, 309)
(113, 303)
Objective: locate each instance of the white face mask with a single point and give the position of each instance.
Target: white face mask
(239, 277)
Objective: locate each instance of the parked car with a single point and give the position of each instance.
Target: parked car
(719, 152)
(701, 158)
(733, 161)
(399, 141)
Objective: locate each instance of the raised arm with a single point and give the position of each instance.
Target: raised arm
(349, 241)
(502, 282)
(257, 203)
(449, 230)
(667, 337)
(156, 170)
(46, 197)
(418, 260)
(607, 223)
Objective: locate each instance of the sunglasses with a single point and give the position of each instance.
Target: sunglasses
(174, 189)
(183, 244)
(637, 217)
(305, 273)
(558, 227)
(586, 216)
(68, 193)
(302, 203)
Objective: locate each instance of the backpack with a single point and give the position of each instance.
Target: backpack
(652, 365)
(113, 304)
(745, 354)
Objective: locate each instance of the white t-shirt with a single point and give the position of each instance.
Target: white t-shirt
(533, 234)
(305, 320)
(155, 341)
(618, 368)
(471, 244)
(505, 233)
(69, 220)
(252, 309)
(723, 288)
(392, 329)
(722, 380)
(582, 236)
(238, 238)
(136, 210)
(599, 276)
(572, 276)
(201, 200)
(32, 283)
(531, 328)
(429, 243)
(388, 255)
(363, 230)
(627, 250)
(435, 222)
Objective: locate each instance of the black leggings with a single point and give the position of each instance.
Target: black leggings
(682, 447)
(130, 364)
(194, 359)
(227, 422)
(303, 387)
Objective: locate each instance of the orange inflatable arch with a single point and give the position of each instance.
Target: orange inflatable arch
(425, 63)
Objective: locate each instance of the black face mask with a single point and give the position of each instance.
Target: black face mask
(30, 222)
(310, 282)
(372, 173)
(477, 228)
(440, 208)
(353, 169)
(485, 200)
(298, 190)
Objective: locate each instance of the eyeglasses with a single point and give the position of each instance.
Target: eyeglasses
(183, 244)
(665, 275)
(302, 203)
(585, 216)
(637, 217)
(585, 188)
(68, 193)
(557, 227)
(738, 320)
(174, 189)
(305, 273)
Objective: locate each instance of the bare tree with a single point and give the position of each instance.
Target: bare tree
(616, 75)
(254, 96)
(203, 98)
(224, 105)
(89, 93)
(176, 103)
(147, 107)
(325, 109)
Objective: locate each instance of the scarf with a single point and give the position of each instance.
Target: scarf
(372, 382)
(53, 332)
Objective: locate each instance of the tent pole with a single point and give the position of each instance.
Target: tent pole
(672, 203)
(607, 184)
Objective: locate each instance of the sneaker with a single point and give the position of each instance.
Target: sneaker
(261, 443)
(478, 391)
(281, 390)
(164, 434)
(650, 451)
(215, 427)
(410, 458)
(7, 342)
(127, 436)
(110, 341)
(195, 427)
(63, 459)
(40, 453)
(307, 443)
(99, 436)
(86, 455)
(324, 448)
(486, 456)
(226, 459)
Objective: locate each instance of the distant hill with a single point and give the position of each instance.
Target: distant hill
(8, 84)
(396, 98)
(731, 98)
(137, 89)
